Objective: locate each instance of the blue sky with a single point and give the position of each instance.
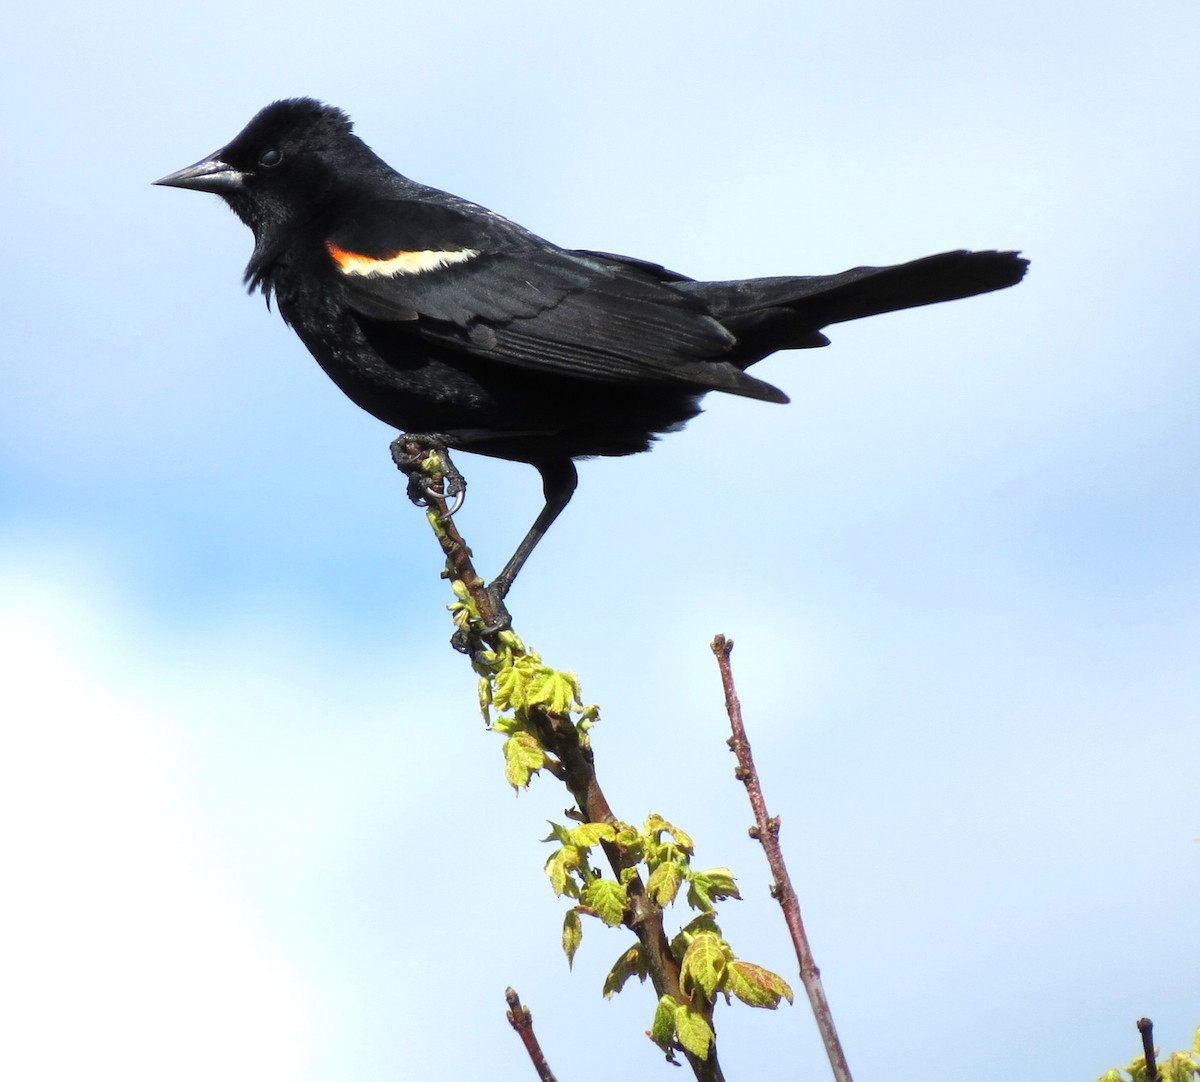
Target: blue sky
(253, 823)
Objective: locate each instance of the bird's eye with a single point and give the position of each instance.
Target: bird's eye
(270, 158)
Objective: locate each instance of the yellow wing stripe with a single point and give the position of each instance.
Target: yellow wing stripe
(396, 263)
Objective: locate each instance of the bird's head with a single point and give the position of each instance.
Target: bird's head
(281, 166)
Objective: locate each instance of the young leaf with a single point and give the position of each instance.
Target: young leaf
(558, 833)
(703, 964)
(523, 755)
(656, 824)
(485, 700)
(629, 841)
(607, 899)
(662, 1029)
(507, 685)
(697, 894)
(506, 724)
(712, 885)
(552, 690)
(587, 835)
(694, 1033)
(756, 986)
(628, 965)
(572, 936)
(721, 883)
(703, 923)
(664, 883)
(683, 840)
(559, 866)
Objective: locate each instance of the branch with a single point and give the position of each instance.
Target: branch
(426, 466)
(522, 1021)
(1146, 1029)
(766, 831)
(557, 734)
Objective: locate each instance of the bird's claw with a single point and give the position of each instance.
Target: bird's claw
(456, 493)
(409, 454)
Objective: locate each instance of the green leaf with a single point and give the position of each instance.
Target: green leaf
(683, 840)
(708, 886)
(630, 964)
(756, 986)
(572, 936)
(664, 883)
(1179, 1067)
(607, 899)
(559, 866)
(485, 700)
(554, 691)
(558, 833)
(506, 725)
(523, 756)
(655, 824)
(506, 686)
(697, 894)
(662, 1029)
(694, 1033)
(629, 841)
(703, 965)
(721, 883)
(703, 923)
(590, 834)
(509, 640)
(656, 853)
(513, 680)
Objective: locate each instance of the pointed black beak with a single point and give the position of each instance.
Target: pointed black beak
(209, 175)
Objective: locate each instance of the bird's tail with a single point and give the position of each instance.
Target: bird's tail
(767, 314)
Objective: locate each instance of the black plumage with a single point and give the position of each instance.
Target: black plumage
(450, 322)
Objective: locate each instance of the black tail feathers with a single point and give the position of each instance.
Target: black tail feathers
(768, 314)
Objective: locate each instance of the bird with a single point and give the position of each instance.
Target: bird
(468, 332)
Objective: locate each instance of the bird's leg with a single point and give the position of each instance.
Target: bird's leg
(409, 450)
(558, 484)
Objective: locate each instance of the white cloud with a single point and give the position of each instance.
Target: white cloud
(127, 955)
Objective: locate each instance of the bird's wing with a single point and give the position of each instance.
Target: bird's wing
(467, 277)
(656, 271)
(409, 258)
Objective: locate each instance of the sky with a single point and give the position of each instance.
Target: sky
(254, 826)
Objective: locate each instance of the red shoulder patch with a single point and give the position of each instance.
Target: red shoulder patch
(395, 263)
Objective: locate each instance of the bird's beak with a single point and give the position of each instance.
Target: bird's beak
(209, 175)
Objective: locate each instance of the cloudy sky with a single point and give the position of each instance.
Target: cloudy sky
(254, 828)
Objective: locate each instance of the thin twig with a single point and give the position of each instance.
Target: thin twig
(1146, 1029)
(766, 830)
(522, 1021)
(558, 735)
(458, 557)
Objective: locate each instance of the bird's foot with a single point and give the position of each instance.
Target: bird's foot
(472, 641)
(501, 620)
(411, 452)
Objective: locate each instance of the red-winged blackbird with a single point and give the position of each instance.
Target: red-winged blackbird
(465, 330)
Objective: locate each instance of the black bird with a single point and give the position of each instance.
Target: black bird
(467, 331)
